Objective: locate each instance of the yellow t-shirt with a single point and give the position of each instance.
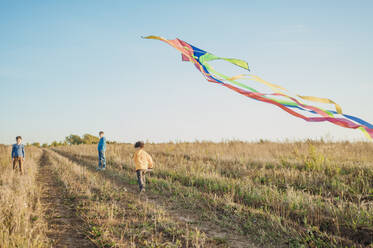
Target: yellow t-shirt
(142, 160)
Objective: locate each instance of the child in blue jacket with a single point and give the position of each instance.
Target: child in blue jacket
(18, 154)
(101, 152)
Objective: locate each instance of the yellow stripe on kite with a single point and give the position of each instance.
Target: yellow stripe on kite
(322, 100)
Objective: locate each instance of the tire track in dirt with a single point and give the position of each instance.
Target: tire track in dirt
(180, 215)
(64, 226)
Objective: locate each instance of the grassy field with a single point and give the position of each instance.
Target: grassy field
(201, 194)
(21, 224)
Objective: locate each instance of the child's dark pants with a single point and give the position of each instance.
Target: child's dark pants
(101, 160)
(141, 178)
(18, 160)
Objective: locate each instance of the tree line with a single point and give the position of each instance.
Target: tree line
(73, 139)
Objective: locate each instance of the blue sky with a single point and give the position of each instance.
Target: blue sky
(81, 66)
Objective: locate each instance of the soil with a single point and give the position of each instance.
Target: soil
(65, 229)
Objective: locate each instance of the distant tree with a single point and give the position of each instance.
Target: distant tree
(54, 144)
(111, 142)
(90, 139)
(73, 140)
(37, 144)
(45, 145)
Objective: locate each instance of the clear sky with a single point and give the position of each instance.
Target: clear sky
(80, 67)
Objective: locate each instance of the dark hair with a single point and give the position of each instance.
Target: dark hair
(18, 137)
(101, 132)
(139, 144)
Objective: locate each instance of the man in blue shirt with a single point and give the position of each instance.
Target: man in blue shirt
(18, 154)
(101, 152)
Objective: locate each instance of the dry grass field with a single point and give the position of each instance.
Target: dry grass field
(201, 194)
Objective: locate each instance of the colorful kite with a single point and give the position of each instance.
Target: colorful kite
(200, 59)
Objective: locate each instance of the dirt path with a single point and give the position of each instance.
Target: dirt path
(177, 213)
(65, 228)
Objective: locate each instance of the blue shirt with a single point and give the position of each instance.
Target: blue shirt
(18, 150)
(102, 144)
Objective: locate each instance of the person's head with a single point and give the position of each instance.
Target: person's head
(139, 144)
(19, 139)
(101, 134)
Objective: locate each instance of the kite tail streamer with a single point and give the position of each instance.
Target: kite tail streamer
(337, 121)
(200, 58)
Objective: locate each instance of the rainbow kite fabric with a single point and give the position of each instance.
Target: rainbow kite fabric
(200, 59)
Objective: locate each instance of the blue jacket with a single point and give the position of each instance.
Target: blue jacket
(102, 144)
(18, 150)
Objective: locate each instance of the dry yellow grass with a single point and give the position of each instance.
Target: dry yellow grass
(21, 222)
(312, 193)
(201, 194)
(118, 218)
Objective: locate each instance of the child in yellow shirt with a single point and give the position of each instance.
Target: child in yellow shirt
(143, 162)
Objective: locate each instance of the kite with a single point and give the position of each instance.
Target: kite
(294, 105)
